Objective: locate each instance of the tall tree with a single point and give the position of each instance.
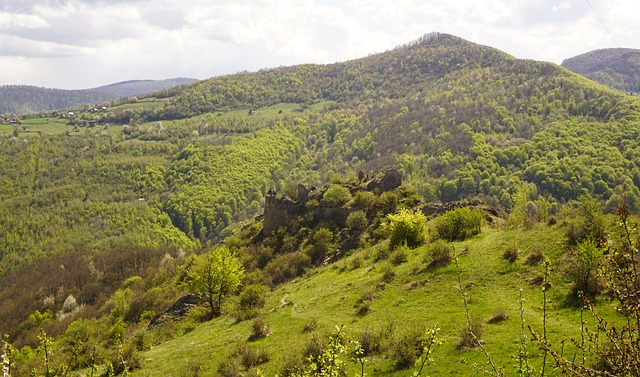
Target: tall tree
(215, 275)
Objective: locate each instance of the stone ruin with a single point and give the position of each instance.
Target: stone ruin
(279, 211)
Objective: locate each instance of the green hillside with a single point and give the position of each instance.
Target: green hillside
(617, 68)
(107, 218)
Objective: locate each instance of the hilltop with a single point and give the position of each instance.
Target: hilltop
(617, 68)
(123, 204)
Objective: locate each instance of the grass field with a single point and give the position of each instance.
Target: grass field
(416, 297)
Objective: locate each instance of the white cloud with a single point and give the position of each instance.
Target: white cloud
(85, 43)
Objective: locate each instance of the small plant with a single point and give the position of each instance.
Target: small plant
(511, 254)
(311, 326)
(363, 303)
(369, 341)
(260, 329)
(500, 316)
(388, 272)
(471, 334)
(250, 356)
(399, 255)
(408, 348)
(534, 258)
(439, 253)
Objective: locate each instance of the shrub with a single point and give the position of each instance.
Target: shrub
(251, 356)
(388, 202)
(364, 200)
(388, 272)
(337, 195)
(583, 266)
(439, 253)
(369, 341)
(260, 329)
(357, 222)
(500, 316)
(252, 298)
(311, 326)
(408, 348)
(398, 256)
(459, 224)
(229, 368)
(363, 303)
(406, 227)
(510, 255)
(590, 222)
(471, 334)
(534, 257)
(319, 245)
(286, 267)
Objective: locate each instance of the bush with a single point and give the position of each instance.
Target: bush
(364, 200)
(510, 255)
(252, 298)
(500, 316)
(319, 246)
(407, 349)
(250, 356)
(470, 336)
(582, 268)
(439, 253)
(388, 272)
(399, 255)
(459, 224)
(286, 267)
(337, 195)
(369, 341)
(590, 222)
(534, 258)
(357, 222)
(406, 227)
(388, 202)
(260, 329)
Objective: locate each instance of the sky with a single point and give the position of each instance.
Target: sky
(79, 44)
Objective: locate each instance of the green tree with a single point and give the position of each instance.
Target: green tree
(216, 275)
(407, 227)
(459, 224)
(337, 195)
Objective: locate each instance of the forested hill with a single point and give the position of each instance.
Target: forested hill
(24, 99)
(139, 87)
(617, 68)
(119, 202)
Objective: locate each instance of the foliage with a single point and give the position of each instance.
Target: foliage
(613, 346)
(337, 195)
(215, 275)
(438, 253)
(459, 224)
(590, 222)
(582, 268)
(406, 227)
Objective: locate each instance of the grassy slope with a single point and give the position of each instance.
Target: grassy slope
(416, 297)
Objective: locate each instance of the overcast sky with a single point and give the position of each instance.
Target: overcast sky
(77, 44)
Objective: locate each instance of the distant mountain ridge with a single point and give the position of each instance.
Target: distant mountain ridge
(25, 99)
(617, 68)
(139, 87)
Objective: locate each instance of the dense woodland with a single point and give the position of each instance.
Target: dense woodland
(616, 68)
(107, 218)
